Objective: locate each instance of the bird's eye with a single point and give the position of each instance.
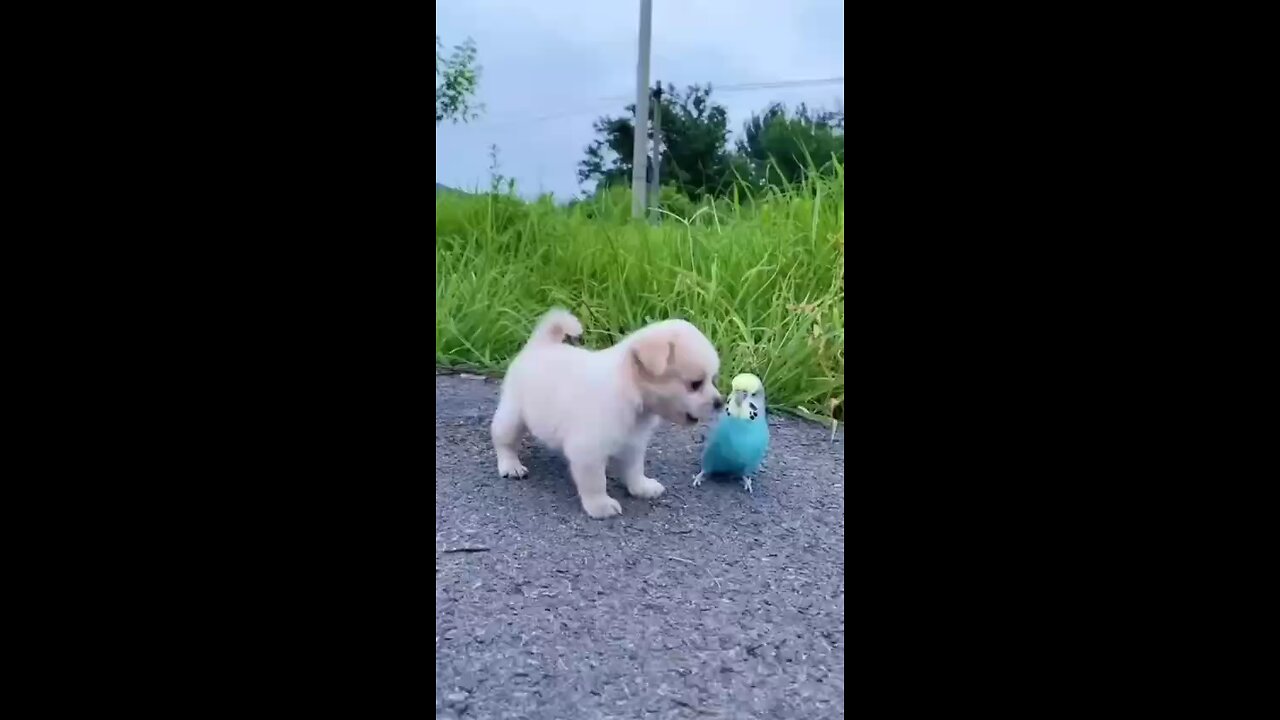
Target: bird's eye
(695, 385)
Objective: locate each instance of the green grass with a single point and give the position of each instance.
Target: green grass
(763, 278)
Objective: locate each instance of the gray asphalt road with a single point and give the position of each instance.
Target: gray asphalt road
(705, 602)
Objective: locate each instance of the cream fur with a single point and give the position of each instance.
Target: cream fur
(600, 407)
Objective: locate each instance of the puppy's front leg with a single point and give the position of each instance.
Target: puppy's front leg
(588, 474)
(631, 462)
(506, 429)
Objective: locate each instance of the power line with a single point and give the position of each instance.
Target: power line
(517, 117)
(778, 84)
(771, 84)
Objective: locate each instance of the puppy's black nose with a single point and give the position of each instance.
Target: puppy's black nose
(718, 403)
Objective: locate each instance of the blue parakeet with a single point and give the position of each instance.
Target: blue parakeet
(740, 440)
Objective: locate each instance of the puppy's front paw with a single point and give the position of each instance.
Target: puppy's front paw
(511, 468)
(645, 487)
(601, 506)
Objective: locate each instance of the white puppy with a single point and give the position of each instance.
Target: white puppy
(601, 406)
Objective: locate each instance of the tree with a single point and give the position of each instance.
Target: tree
(608, 159)
(782, 148)
(835, 118)
(694, 135)
(457, 77)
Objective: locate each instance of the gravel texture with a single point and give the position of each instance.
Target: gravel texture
(705, 602)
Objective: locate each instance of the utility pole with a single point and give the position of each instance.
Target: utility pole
(655, 186)
(640, 151)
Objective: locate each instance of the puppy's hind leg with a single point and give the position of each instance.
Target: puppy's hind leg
(507, 427)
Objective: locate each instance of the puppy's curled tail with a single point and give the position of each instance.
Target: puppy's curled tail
(555, 326)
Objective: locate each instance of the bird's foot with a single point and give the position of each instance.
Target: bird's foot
(746, 483)
(697, 479)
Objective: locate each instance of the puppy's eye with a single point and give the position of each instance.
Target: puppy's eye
(695, 385)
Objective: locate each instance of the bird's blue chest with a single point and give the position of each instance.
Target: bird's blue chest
(737, 446)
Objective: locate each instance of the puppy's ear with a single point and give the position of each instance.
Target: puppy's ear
(654, 354)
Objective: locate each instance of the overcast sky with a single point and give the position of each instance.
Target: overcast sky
(568, 58)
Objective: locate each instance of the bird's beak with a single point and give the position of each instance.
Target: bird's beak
(741, 396)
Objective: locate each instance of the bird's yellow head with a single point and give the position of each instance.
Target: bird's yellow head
(746, 400)
(748, 383)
